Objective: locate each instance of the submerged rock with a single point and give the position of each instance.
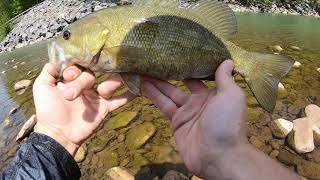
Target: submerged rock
(120, 120)
(109, 159)
(312, 111)
(21, 86)
(13, 110)
(170, 175)
(276, 48)
(318, 69)
(139, 135)
(301, 138)
(81, 153)
(27, 128)
(281, 127)
(295, 48)
(296, 64)
(7, 122)
(117, 173)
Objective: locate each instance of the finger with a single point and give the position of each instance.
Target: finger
(165, 104)
(118, 101)
(224, 79)
(73, 89)
(47, 76)
(108, 87)
(175, 94)
(196, 86)
(71, 73)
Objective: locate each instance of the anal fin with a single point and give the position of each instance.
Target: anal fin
(132, 82)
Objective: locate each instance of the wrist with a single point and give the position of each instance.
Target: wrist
(58, 136)
(222, 166)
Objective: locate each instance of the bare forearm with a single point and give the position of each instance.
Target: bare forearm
(247, 163)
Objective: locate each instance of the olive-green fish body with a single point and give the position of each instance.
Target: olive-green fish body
(167, 41)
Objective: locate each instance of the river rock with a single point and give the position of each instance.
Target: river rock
(27, 128)
(139, 135)
(174, 175)
(295, 48)
(195, 178)
(121, 120)
(138, 162)
(296, 64)
(109, 159)
(21, 86)
(7, 122)
(13, 110)
(318, 69)
(162, 153)
(301, 138)
(3, 72)
(276, 48)
(312, 111)
(81, 153)
(119, 173)
(281, 127)
(274, 154)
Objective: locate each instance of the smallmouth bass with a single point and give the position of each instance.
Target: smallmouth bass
(165, 40)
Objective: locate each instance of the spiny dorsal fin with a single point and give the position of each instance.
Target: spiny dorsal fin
(212, 14)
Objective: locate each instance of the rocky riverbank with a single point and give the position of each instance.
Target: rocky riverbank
(48, 19)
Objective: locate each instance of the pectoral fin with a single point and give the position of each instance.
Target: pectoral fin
(132, 81)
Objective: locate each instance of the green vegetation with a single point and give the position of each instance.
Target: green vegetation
(11, 8)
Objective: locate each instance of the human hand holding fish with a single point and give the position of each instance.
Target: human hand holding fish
(72, 110)
(209, 128)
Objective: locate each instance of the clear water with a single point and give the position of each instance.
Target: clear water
(256, 32)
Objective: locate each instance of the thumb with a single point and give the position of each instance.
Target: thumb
(223, 76)
(47, 76)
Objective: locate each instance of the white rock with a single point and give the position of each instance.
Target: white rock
(295, 48)
(81, 153)
(312, 111)
(117, 173)
(276, 48)
(281, 127)
(27, 128)
(21, 86)
(318, 69)
(301, 138)
(296, 64)
(3, 72)
(15, 67)
(281, 86)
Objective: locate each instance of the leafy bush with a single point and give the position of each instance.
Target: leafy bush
(11, 8)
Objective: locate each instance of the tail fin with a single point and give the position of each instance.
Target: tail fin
(265, 76)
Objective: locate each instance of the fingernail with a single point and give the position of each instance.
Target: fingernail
(71, 73)
(69, 93)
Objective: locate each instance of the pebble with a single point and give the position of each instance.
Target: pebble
(7, 122)
(274, 154)
(117, 173)
(15, 67)
(295, 48)
(296, 64)
(21, 86)
(281, 127)
(301, 138)
(312, 111)
(120, 120)
(13, 110)
(3, 72)
(81, 153)
(27, 128)
(318, 69)
(276, 48)
(139, 135)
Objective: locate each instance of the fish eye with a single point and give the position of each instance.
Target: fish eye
(66, 35)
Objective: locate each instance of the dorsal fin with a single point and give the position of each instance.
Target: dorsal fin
(216, 16)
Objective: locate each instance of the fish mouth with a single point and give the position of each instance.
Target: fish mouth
(57, 56)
